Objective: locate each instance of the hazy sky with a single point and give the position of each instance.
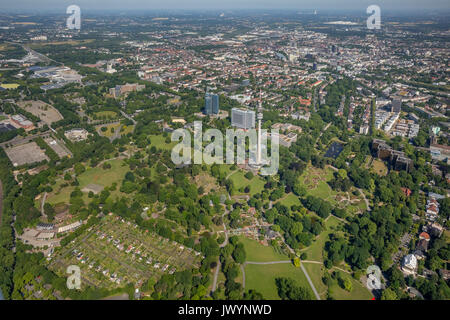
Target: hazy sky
(55, 5)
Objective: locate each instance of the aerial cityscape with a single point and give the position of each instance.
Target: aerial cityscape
(235, 152)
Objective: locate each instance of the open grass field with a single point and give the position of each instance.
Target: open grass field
(126, 129)
(9, 85)
(208, 183)
(376, 166)
(256, 183)
(290, 200)
(257, 252)
(447, 236)
(262, 278)
(103, 177)
(359, 292)
(159, 142)
(314, 251)
(95, 175)
(315, 272)
(106, 114)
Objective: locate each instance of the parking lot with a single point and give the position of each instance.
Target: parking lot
(26, 154)
(57, 147)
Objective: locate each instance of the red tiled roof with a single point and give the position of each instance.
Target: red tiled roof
(424, 235)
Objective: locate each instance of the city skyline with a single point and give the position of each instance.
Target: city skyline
(325, 5)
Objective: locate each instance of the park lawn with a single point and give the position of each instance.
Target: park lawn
(208, 183)
(262, 278)
(239, 180)
(447, 236)
(379, 167)
(103, 177)
(107, 114)
(315, 272)
(10, 85)
(159, 142)
(314, 251)
(359, 292)
(108, 132)
(95, 175)
(225, 169)
(3, 118)
(290, 200)
(126, 130)
(315, 182)
(257, 252)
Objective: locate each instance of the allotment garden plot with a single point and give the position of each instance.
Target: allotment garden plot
(116, 252)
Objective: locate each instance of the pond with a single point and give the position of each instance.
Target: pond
(334, 150)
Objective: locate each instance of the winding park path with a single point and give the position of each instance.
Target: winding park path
(365, 199)
(216, 272)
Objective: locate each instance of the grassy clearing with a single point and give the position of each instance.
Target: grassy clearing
(159, 141)
(208, 183)
(95, 175)
(10, 85)
(240, 181)
(376, 166)
(256, 252)
(315, 272)
(106, 114)
(359, 292)
(290, 200)
(262, 278)
(126, 129)
(315, 250)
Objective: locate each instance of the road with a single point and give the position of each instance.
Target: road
(128, 117)
(40, 55)
(365, 199)
(21, 140)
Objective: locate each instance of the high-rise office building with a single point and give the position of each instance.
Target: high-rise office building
(215, 104)
(211, 103)
(241, 118)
